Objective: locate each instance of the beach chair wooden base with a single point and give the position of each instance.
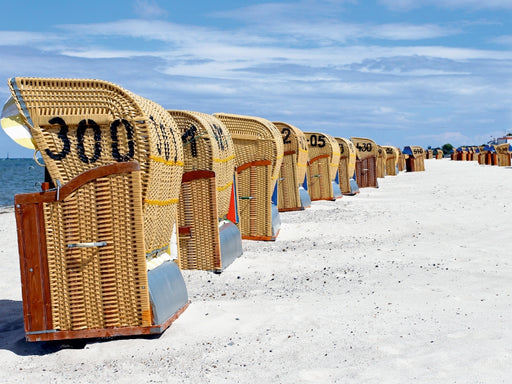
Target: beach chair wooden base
(291, 209)
(82, 259)
(55, 335)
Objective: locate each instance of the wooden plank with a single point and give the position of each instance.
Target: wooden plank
(105, 332)
(33, 267)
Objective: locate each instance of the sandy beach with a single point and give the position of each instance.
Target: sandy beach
(407, 283)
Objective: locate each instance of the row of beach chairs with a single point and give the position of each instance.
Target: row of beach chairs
(491, 154)
(134, 193)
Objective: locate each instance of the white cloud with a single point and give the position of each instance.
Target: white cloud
(100, 53)
(148, 9)
(370, 77)
(409, 31)
(446, 137)
(17, 38)
(504, 40)
(406, 5)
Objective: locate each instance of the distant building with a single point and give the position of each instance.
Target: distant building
(501, 140)
(504, 140)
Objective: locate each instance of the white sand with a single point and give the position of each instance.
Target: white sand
(408, 283)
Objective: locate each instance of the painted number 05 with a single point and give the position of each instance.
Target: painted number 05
(317, 141)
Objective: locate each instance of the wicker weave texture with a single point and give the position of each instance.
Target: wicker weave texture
(293, 168)
(98, 287)
(207, 145)
(503, 153)
(381, 162)
(199, 243)
(294, 140)
(256, 140)
(364, 147)
(81, 124)
(391, 159)
(401, 161)
(347, 163)
(288, 197)
(322, 144)
(324, 160)
(255, 206)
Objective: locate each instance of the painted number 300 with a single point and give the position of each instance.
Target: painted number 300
(83, 126)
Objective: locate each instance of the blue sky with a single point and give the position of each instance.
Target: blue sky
(401, 72)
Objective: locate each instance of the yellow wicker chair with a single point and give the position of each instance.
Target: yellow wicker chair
(381, 162)
(324, 160)
(416, 160)
(80, 126)
(259, 154)
(401, 160)
(391, 160)
(366, 163)
(482, 154)
(347, 167)
(208, 240)
(291, 194)
(503, 152)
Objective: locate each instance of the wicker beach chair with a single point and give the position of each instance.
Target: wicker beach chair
(491, 157)
(482, 153)
(259, 154)
(366, 163)
(292, 195)
(401, 160)
(391, 160)
(462, 154)
(416, 160)
(100, 234)
(324, 160)
(346, 170)
(503, 154)
(208, 239)
(381, 162)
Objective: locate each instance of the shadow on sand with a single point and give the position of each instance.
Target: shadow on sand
(12, 334)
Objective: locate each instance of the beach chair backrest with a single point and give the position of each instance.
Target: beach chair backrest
(366, 164)
(293, 167)
(259, 153)
(347, 165)
(80, 124)
(324, 160)
(207, 186)
(391, 159)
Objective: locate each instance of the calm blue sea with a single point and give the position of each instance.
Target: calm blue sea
(18, 176)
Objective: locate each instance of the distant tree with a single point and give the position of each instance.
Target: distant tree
(447, 148)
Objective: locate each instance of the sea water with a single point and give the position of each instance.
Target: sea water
(18, 176)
